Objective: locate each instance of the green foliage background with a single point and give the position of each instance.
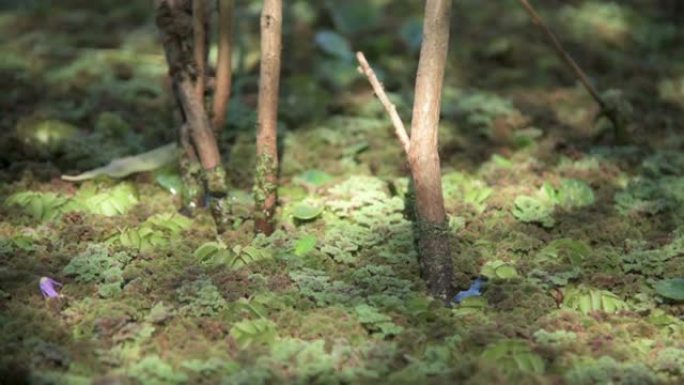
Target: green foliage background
(582, 241)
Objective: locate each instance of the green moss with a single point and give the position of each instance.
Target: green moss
(200, 298)
(336, 296)
(607, 370)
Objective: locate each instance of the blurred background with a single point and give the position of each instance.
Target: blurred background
(79, 75)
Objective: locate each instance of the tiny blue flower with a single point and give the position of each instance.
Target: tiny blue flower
(47, 287)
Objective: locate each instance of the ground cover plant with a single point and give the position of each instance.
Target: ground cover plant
(566, 236)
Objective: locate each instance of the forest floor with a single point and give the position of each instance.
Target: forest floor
(579, 240)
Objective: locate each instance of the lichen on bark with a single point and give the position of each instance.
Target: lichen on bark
(265, 188)
(217, 196)
(193, 192)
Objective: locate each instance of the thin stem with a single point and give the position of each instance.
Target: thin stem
(608, 110)
(562, 53)
(399, 128)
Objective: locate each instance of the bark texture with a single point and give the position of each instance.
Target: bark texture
(224, 70)
(176, 26)
(201, 42)
(185, 49)
(433, 241)
(269, 82)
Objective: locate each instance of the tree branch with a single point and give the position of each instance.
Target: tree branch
(399, 128)
(608, 109)
(562, 53)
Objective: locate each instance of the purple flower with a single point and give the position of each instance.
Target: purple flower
(47, 287)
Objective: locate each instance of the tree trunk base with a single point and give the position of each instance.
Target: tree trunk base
(436, 265)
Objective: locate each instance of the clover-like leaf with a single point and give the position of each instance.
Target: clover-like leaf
(212, 253)
(249, 254)
(514, 355)
(171, 222)
(585, 300)
(41, 206)
(108, 202)
(530, 209)
(470, 305)
(574, 193)
(305, 245)
(306, 212)
(314, 177)
(170, 180)
(565, 250)
(376, 322)
(499, 269)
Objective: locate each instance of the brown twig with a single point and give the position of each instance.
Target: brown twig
(399, 128)
(607, 110)
(223, 66)
(562, 53)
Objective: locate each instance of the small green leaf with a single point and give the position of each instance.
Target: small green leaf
(565, 250)
(672, 288)
(109, 290)
(501, 161)
(530, 209)
(305, 245)
(574, 193)
(212, 253)
(41, 206)
(506, 272)
(499, 269)
(314, 177)
(109, 202)
(306, 212)
(246, 255)
(470, 305)
(170, 181)
(585, 300)
(375, 322)
(513, 356)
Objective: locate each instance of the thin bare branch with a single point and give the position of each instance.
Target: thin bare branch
(607, 109)
(562, 53)
(399, 128)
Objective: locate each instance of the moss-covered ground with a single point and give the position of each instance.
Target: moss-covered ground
(580, 240)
